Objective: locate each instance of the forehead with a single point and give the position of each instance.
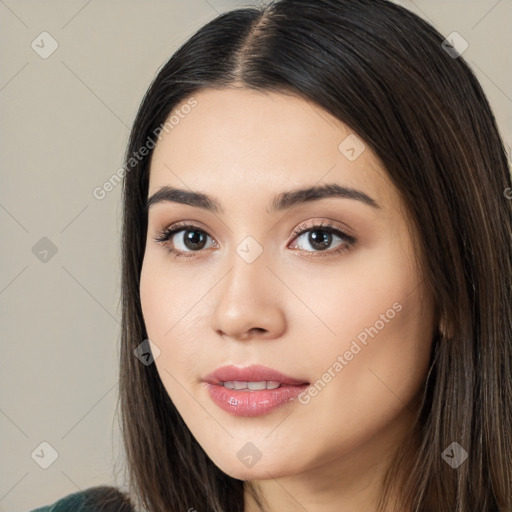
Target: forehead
(240, 140)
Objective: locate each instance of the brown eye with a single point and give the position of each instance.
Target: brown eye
(320, 238)
(193, 239)
(184, 240)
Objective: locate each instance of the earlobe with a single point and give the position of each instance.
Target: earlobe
(445, 328)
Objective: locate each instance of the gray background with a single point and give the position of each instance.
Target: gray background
(65, 123)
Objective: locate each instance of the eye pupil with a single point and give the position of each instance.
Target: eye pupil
(194, 239)
(318, 241)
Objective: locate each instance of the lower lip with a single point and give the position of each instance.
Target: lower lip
(253, 403)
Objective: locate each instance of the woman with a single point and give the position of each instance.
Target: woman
(316, 271)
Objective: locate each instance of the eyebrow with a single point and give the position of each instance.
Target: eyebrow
(283, 201)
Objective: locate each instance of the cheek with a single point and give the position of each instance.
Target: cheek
(374, 287)
(170, 308)
(167, 295)
(366, 377)
(377, 319)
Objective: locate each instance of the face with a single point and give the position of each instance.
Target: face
(319, 288)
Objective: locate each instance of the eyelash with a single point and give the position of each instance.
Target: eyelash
(348, 241)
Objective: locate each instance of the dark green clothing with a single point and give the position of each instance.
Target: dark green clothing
(94, 499)
(70, 502)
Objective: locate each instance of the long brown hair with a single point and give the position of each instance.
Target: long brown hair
(384, 72)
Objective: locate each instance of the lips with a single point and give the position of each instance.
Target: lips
(253, 390)
(253, 373)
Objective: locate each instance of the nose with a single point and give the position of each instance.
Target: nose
(248, 302)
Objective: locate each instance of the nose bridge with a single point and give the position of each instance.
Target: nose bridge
(247, 273)
(247, 301)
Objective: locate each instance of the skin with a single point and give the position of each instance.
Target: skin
(292, 311)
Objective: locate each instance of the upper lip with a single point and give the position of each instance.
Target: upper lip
(252, 373)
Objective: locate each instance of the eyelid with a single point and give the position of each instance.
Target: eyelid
(347, 241)
(326, 224)
(321, 225)
(165, 234)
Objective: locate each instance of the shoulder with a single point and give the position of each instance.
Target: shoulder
(94, 499)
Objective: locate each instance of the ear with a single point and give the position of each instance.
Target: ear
(445, 327)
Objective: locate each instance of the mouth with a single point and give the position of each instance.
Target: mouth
(251, 386)
(254, 377)
(252, 391)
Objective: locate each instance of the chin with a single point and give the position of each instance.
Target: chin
(261, 470)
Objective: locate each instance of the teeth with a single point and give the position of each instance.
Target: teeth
(251, 386)
(254, 386)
